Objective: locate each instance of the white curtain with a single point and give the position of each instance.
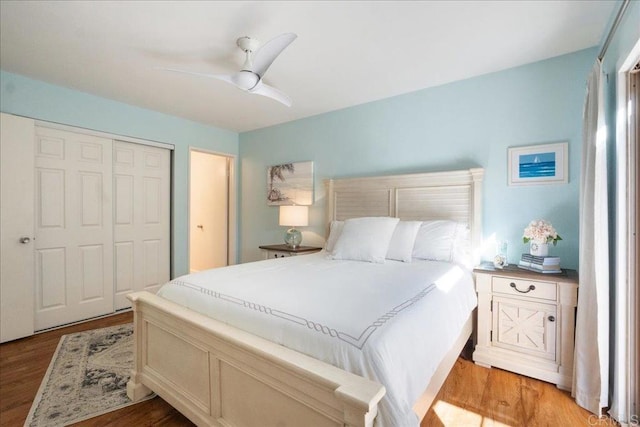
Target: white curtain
(591, 362)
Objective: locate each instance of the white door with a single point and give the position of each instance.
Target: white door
(141, 186)
(16, 226)
(208, 211)
(73, 227)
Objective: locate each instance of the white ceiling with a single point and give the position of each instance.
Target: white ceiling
(347, 53)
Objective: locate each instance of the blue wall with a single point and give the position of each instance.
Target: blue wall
(468, 123)
(464, 124)
(31, 98)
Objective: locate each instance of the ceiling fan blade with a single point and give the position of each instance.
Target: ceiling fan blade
(271, 92)
(265, 55)
(224, 77)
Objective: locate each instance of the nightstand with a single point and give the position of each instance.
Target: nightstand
(526, 322)
(281, 251)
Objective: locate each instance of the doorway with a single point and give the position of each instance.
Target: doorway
(626, 365)
(210, 178)
(634, 236)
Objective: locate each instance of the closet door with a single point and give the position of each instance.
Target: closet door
(141, 219)
(16, 227)
(73, 227)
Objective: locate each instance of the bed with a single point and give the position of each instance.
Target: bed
(218, 374)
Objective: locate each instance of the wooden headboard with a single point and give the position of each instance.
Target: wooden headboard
(454, 195)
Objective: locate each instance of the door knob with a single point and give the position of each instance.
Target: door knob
(25, 240)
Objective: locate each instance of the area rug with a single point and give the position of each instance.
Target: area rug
(87, 377)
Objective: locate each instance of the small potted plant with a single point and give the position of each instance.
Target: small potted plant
(539, 233)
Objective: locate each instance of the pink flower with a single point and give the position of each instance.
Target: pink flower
(541, 231)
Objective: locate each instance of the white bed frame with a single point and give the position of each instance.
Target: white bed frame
(218, 375)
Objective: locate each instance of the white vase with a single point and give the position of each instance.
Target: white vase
(539, 249)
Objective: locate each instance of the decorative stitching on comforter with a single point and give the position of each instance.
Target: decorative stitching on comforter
(357, 342)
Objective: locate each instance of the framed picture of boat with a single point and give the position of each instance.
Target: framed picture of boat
(539, 164)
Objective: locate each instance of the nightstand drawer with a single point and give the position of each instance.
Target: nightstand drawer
(276, 254)
(524, 287)
(284, 251)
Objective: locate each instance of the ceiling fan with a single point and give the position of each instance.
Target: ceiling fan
(257, 62)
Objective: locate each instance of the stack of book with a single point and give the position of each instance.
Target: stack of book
(541, 264)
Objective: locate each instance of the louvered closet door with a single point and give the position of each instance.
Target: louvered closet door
(141, 219)
(73, 227)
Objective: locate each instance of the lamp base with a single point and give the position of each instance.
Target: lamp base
(293, 237)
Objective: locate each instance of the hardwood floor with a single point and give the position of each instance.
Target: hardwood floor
(24, 362)
(471, 395)
(477, 396)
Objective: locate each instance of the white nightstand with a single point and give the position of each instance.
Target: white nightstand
(281, 251)
(526, 322)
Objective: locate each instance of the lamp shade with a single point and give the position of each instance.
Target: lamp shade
(294, 216)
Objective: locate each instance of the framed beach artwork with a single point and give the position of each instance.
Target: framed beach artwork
(290, 184)
(539, 164)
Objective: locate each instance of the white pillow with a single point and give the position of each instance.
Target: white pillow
(402, 241)
(365, 239)
(335, 229)
(435, 240)
(462, 253)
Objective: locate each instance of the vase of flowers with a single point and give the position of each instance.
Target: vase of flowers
(538, 249)
(539, 233)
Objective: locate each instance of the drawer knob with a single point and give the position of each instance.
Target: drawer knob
(530, 288)
(551, 319)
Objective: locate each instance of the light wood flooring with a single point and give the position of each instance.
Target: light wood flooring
(471, 395)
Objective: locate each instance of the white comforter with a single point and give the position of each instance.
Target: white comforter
(390, 322)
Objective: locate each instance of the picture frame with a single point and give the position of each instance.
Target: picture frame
(539, 164)
(290, 184)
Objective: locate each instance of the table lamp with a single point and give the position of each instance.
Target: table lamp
(294, 216)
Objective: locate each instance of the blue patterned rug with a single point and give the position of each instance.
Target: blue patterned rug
(87, 377)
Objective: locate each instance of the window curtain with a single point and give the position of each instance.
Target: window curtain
(591, 358)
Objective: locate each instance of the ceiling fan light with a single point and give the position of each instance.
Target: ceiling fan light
(246, 80)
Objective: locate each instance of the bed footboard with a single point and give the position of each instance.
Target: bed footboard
(218, 375)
